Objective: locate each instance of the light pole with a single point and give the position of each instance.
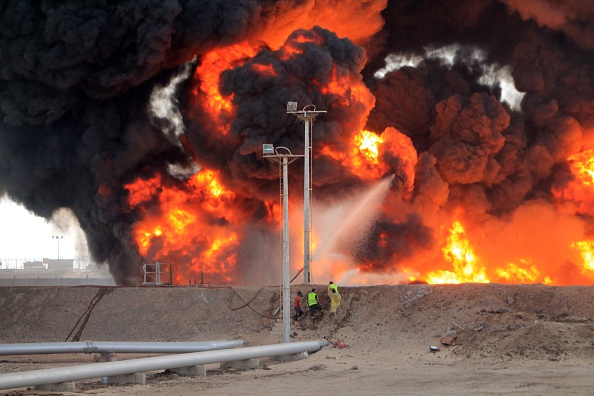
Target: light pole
(270, 152)
(58, 237)
(307, 116)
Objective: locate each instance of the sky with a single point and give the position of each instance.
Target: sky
(24, 236)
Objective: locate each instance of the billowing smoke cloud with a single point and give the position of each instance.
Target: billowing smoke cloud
(492, 159)
(76, 82)
(572, 17)
(321, 58)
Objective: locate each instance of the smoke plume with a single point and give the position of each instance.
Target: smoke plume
(80, 126)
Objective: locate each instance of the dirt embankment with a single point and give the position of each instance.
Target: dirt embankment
(487, 321)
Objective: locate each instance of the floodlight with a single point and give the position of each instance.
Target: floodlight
(268, 149)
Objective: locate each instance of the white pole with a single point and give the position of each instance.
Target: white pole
(306, 116)
(286, 266)
(283, 159)
(306, 204)
(97, 370)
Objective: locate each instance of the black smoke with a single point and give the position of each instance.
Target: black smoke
(76, 81)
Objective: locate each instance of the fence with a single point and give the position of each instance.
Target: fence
(18, 280)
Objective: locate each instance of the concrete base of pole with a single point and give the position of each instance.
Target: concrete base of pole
(242, 364)
(59, 387)
(192, 371)
(247, 357)
(136, 378)
(106, 357)
(290, 358)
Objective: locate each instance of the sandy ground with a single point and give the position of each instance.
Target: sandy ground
(492, 339)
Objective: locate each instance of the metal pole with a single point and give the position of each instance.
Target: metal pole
(307, 116)
(97, 370)
(283, 159)
(115, 346)
(286, 267)
(306, 204)
(58, 237)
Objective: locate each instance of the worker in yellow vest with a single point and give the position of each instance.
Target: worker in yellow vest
(335, 299)
(331, 286)
(312, 302)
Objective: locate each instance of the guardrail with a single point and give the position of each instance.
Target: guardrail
(56, 281)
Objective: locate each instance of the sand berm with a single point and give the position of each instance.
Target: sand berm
(492, 338)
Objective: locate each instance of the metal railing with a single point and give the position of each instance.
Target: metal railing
(40, 280)
(157, 274)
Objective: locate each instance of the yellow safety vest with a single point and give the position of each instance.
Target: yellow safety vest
(332, 286)
(312, 299)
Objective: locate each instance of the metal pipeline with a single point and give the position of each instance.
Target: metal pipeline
(117, 347)
(96, 370)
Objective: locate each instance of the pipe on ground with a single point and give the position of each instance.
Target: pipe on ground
(96, 370)
(116, 347)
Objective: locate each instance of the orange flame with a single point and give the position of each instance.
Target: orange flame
(308, 14)
(578, 194)
(467, 266)
(212, 65)
(586, 250)
(291, 50)
(459, 253)
(347, 89)
(177, 225)
(368, 145)
(397, 144)
(527, 273)
(363, 160)
(182, 224)
(264, 70)
(582, 165)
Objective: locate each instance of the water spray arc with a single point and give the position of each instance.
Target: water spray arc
(348, 223)
(307, 116)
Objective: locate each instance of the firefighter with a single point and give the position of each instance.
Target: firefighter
(335, 299)
(331, 286)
